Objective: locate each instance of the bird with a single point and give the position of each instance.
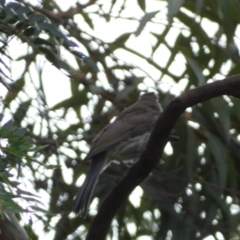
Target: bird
(123, 139)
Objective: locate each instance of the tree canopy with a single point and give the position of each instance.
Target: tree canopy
(67, 69)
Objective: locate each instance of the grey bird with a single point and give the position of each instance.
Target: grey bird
(123, 139)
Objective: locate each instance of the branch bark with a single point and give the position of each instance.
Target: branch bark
(154, 150)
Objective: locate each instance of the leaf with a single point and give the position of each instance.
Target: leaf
(87, 19)
(15, 87)
(215, 193)
(29, 31)
(219, 152)
(10, 204)
(20, 132)
(233, 52)
(42, 41)
(199, 6)
(23, 13)
(211, 208)
(12, 5)
(38, 148)
(68, 43)
(5, 195)
(10, 12)
(79, 54)
(173, 8)
(48, 27)
(2, 3)
(222, 109)
(226, 16)
(199, 114)
(3, 82)
(76, 100)
(164, 227)
(37, 18)
(21, 112)
(95, 89)
(21, 25)
(8, 124)
(142, 4)
(145, 19)
(129, 88)
(38, 209)
(120, 40)
(232, 176)
(58, 63)
(88, 61)
(49, 55)
(197, 71)
(22, 192)
(191, 153)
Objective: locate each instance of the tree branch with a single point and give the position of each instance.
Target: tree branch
(154, 150)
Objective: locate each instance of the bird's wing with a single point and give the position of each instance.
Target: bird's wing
(130, 123)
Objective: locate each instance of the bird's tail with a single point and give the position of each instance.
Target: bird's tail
(84, 195)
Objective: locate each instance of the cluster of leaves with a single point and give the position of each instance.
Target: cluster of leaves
(192, 191)
(20, 20)
(15, 147)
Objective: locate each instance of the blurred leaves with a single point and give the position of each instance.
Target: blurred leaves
(15, 146)
(30, 24)
(173, 8)
(145, 19)
(194, 189)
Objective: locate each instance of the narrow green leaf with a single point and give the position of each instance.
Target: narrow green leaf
(199, 6)
(29, 31)
(48, 27)
(8, 124)
(2, 3)
(6, 195)
(1, 117)
(10, 204)
(21, 111)
(222, 109)
(49, 55)
(232, 173)
(21, 25)
(23, 12)
(145, 19)
(191, 153)
(58, 63)
(42, 41)
(87, 19)
(38, 209)
(121, 40)
(38, 148)
(173, 8)
(226, 16)
(10, 12)
(142, 4)
(22, 192)
(88, 61)
(197, 71)
(219, 152)
(36, 19)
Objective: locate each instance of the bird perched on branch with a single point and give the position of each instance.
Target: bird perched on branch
(123, 139)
